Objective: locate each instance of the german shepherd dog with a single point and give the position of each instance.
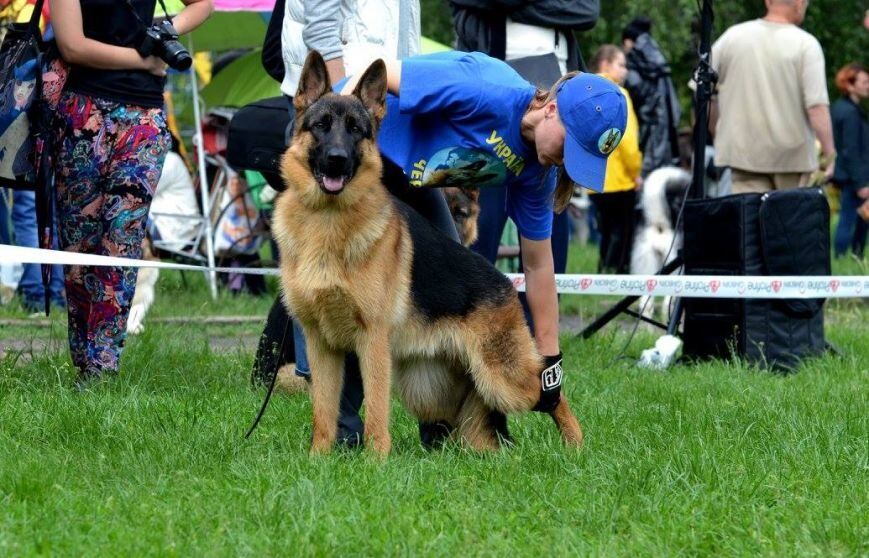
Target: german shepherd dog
(464, 204)
(364, 273)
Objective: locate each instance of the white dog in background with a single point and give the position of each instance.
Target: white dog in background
(657, 242)
(175, 214)
(144, 296)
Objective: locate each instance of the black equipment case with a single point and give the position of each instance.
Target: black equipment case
(786, 232)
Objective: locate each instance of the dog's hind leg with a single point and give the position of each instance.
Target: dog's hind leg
(327, 381)
(502, 359)
(571, 430)
(478, 425)
(506, 370)
(375, 363)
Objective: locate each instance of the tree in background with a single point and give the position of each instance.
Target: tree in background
(837, 24)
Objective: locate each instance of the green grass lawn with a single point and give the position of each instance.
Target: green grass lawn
(716, 459)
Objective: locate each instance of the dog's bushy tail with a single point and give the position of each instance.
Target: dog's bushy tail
(663, 184)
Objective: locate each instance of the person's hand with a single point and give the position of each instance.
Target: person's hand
(639, 182)
(155, 66)
(830, 169)
(268, 194)
(863, 192)
(863, 211)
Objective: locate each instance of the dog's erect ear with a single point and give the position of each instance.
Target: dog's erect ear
(472, 193)
(314, 82)
(371, 89)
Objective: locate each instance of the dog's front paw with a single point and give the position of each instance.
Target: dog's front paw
(320, 446)
(135, 323)
(380, 446)
(322, 441)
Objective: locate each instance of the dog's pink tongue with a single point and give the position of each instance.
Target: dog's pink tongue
(333, 184)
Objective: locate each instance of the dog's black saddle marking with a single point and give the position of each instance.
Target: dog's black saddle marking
(447, 279)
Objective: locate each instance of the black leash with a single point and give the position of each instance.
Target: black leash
(274, 381)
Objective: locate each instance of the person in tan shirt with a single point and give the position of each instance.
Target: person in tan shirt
(772, 101)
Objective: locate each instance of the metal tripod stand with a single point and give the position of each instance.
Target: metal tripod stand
(704, 78)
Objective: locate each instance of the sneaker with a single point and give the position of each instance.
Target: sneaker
(434, 434)
(290, 381)
(350, 429)
(348, 438)
(91, 378)
(33, 306)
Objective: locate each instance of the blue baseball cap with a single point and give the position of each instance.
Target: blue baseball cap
(594, 113)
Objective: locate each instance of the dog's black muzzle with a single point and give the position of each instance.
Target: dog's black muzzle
(334, 170)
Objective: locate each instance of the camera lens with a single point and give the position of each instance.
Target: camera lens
(177, 56)
(170, 50)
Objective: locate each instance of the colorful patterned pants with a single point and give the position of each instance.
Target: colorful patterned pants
(109, 159)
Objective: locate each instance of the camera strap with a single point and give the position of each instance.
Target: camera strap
(136, 15)
(33, 24)
(165, 11)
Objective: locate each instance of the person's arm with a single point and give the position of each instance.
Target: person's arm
(541, 293)
(322, 32)
(393, 78)
(77, 49)
(713, 116)
(630, 145)
(819, 119)
(846, 138)
(195, 12)
(813, 83)
(447, 84)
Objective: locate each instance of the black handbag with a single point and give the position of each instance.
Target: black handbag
(541, 71)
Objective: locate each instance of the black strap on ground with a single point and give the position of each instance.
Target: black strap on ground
(274, 381)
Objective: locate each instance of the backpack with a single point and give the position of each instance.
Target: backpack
(32, 75)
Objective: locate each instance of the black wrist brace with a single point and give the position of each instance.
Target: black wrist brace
(550, 384)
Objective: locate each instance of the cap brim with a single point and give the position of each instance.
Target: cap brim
(586, 169)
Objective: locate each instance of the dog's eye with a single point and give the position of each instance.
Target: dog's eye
(354, 129)
(320, 125)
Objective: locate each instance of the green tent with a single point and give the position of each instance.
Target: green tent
(223, 30)
(244, 80)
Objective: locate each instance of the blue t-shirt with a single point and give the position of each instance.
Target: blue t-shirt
(458, 120)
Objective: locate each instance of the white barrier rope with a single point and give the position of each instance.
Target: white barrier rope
(688, 286)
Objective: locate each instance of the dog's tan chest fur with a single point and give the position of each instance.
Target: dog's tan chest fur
(333, 267)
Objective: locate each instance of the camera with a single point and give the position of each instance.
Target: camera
(161, 39)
